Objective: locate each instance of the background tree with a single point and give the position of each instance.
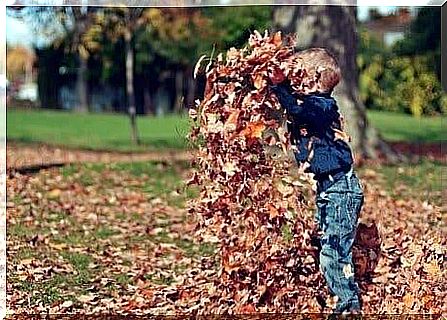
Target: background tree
(81, 19)
(423, 37)
(65, 27)
(122, 23)
(334, 27)
(179, 36)
(404, 77)
(19, 63)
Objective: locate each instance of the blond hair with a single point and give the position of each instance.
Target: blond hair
(320, 60)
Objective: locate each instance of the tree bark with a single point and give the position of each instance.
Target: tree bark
(334, 27)
(130, 87)
(82, 21)
(179, 98)
(191, 88)
(148, 102)
(82, 84)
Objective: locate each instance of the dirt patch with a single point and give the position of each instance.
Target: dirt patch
(23, 157)
(34, 157)
(433, 151)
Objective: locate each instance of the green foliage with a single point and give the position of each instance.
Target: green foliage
(402, 84)
(238, 22)
(423, 38)
(398, 83)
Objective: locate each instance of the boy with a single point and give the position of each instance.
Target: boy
(316, 130)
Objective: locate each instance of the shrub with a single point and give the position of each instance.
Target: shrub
(398, 83)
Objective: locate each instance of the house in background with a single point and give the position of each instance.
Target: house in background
(21, 73)
(389, 28)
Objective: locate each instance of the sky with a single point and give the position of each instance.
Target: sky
(18, 32)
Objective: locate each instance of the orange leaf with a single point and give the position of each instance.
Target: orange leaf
(259, 81)
(249, 308)
(277, 39)
(254, 130)
(273, 212)
(433, 269)
(147, 293)
(408, 300)
(228, 267)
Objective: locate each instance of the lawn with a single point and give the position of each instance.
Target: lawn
(101, 228)
(402, 127)
(111, 132)
(102, 237)
(95, 131)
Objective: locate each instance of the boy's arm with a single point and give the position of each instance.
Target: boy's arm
(287, 100)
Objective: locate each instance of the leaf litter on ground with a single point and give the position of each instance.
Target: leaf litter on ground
(104, 239)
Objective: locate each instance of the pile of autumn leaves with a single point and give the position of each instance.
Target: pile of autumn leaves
(254, 200)
(249, 202)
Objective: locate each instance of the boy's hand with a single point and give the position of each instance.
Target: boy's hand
(303, 132)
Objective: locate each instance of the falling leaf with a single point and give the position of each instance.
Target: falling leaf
(273, 211)
(260, 82)
(254, 130)
(197, 67)
(408, 300)
(277, 39)
(229, 168)
(276, 75)
(232, 121)
(433, 269)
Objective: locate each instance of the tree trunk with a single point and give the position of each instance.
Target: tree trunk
(191, 88)
(179, 98)
(82, 83)
(334, 27)
(130, 88)
(148, 102)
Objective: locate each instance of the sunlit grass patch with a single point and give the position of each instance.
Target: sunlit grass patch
(424, 180)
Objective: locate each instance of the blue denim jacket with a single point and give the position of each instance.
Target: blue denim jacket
(318, 114)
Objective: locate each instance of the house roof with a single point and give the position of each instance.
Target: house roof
(397, 22)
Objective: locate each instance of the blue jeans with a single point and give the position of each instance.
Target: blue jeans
(338, 209)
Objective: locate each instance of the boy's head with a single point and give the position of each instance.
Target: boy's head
(321, 60)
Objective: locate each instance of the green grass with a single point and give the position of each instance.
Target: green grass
(46, 292)
(420, 180)
(79, 261)
(424, 180)
(401, 127)
(95, 131)
(112, 131)
(162, 179)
